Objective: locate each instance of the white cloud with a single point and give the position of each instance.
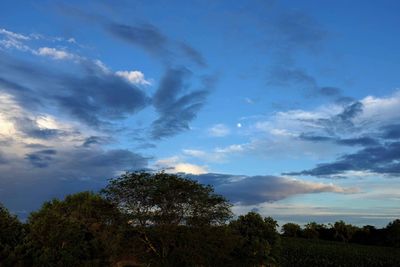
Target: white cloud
(13, 35)
(54, 53)
(135, 77)
(14, 40)
(249, 100)
(380, 109)
(219, 130)
(175, 165)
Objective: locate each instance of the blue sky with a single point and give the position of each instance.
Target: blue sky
(290, 108)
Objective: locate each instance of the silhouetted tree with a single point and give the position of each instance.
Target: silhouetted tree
(79, 231)
(260, 240)
(291, 230)
(11, 234)
(393, 233)
(311, 231)
(166, 199)
(343, 231)
(171, 214)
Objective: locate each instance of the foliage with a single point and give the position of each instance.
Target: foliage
(259, 240)
(79, 231)
(170, 215)
(166, 199)
(393, 233)
(291, 230)
(11, 234)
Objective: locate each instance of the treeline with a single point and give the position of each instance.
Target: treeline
(342, 232)
(148, 219)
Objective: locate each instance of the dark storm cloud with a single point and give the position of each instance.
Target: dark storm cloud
(92, 95)
(97, 98)
(61, 172)
(343, 121)
(382, 159)
(42, 158)
(357, 141)
(94, 140)
(3, 159)
(329, 91)
(151, 39)
(25, 95)
(315, 138)
(391, 131)
(30, 128)
(175, 106)
(251, 190)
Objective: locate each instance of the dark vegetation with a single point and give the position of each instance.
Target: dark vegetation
(147, 219)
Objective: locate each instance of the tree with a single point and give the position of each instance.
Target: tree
(171, 214)
(260, 240)
(11, 235)
(393, 233)
(291, 230)
(166, 199)
(311, 230)
(343, 232)
(78, 231)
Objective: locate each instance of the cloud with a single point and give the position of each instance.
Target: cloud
(13, 35)
(319, 134)
(298, 79)
(193, 54)
(152, 40)
(219, 130)
(42, 158)
(14, 40)
(175, 165)
(391, 131)
(252, 190)
(143, 35)
(146, 36)
(299, 30)
(42, 175)
(135, 77)
(381, 159)
(54, 53)
(175, 107)
(89, 93)
(94, 140)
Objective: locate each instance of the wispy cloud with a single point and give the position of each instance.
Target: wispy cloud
(219, 130)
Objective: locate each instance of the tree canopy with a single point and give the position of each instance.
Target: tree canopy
(166, 199)
(78, 230)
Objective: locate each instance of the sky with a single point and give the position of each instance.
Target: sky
(288, 108)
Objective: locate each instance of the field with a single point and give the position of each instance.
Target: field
(306, 253)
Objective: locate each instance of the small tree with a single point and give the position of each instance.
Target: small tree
(311, 230)
(260, 240)
(291, 230)
(78, 231)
